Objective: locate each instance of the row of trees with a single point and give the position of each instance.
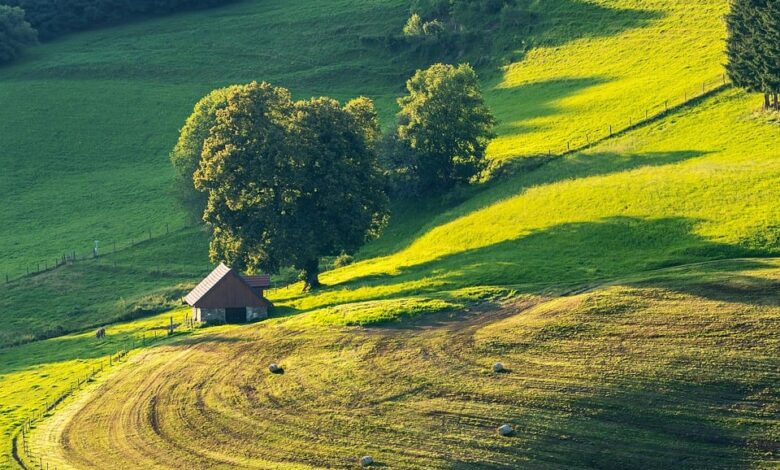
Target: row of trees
(284, 183)
(753, 47)
(23, 21)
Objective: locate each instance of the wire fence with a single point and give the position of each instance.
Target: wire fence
(97, 249)
(589, 137)
(23, 450)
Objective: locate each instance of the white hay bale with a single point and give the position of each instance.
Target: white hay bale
(275, 369)
(506, 430)
(498, 367)
(366, 461)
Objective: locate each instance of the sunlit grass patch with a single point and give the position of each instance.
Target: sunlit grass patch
(378, 311)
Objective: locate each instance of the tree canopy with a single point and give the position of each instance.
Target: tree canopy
(289, 182)
(446, 123)
(753, 47)
(185, 156)
(15, 33)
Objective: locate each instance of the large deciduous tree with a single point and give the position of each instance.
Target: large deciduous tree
(15, 33)
(753, 47)
(289, 182)
(445, 121)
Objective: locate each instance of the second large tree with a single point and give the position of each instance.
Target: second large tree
(289, 182)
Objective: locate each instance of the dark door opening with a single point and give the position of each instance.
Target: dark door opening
(235, 315)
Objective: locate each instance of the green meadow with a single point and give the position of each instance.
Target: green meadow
(100, 110)
(700, 184)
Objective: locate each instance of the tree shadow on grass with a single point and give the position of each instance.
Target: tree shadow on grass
(411, 220)
(534, 101)
(721, 283)
(555, 259)
(555, 23)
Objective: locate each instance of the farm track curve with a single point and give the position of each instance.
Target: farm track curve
(422, 395)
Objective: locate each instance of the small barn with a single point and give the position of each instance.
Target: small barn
(226, 296)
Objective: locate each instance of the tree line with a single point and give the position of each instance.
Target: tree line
(22, 22)
(753, 48)
(284, 183)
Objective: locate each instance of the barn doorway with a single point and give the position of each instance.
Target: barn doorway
(235, 315)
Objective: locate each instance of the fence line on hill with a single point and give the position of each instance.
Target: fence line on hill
(29, 458)
(587, 138)
(577, 142)
(103, 249)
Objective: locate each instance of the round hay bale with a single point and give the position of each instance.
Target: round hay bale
(506, 430)
(498, 368)
(275, 369)
(366, 461)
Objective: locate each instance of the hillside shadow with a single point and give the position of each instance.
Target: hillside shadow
(84, 346)
(411, 220)
(557, 258)
(553, 24)
(534, 101)
(638, 422)
(726, 284)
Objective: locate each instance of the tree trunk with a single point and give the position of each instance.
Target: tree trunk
(311, 276)
(767, 103)
(776, 105)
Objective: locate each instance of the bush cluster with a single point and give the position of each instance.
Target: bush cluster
(453, 27)
(15, 33)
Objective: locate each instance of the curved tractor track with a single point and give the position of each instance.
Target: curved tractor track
(584, 389)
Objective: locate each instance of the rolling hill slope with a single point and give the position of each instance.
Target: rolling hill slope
(701, 183)
(564, 269)
(87, 121)
(676, 370)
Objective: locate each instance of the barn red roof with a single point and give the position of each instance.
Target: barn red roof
(262, 280)
(221, 273)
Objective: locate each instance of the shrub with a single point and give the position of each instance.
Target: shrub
(15, 33)
(344, 259)
(414, 26)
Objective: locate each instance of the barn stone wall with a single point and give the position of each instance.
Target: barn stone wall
(209, 315)
(256, 313)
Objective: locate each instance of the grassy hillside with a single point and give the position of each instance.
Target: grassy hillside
(87, 121)
(141, 280)
(699, 184)
(673, 371)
